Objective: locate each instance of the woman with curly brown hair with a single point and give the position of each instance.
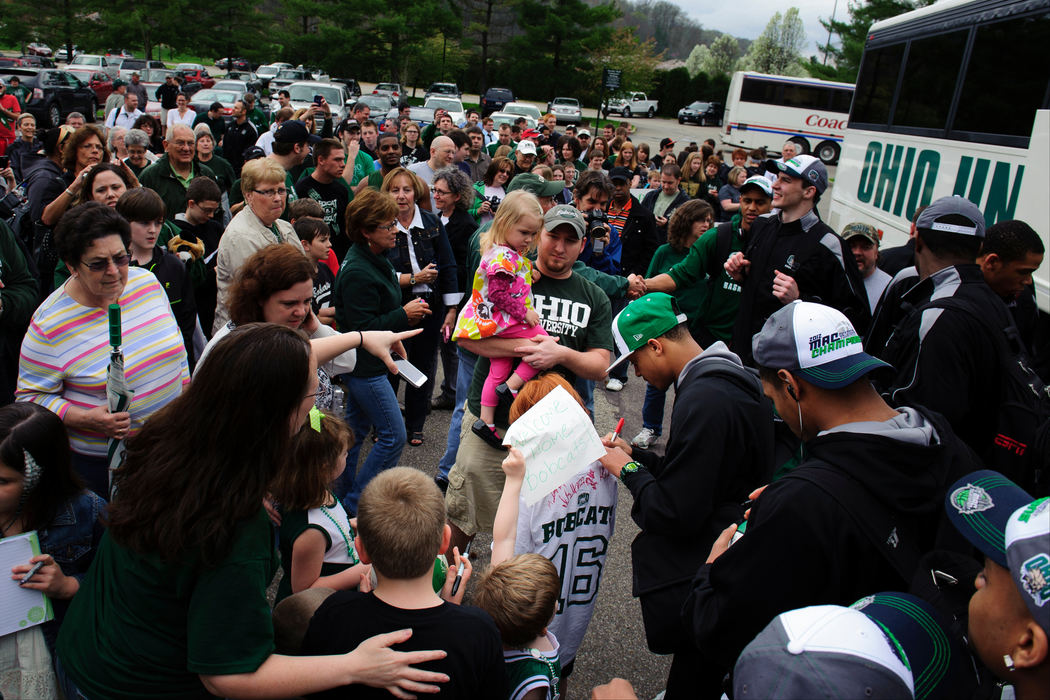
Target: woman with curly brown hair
(83, 149)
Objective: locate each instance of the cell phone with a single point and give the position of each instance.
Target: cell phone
(4, 161)
(318, 99)
(408, 371)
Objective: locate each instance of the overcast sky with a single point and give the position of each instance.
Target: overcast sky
(748, 19)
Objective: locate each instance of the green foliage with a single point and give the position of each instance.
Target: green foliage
(842, 62)
(675, 89)
(778, 50)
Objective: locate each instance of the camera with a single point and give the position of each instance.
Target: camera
(597, 223)
(494, 203)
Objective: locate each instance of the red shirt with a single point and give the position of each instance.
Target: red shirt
(7, 126)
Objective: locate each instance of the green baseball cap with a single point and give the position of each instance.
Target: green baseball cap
(644, 318)
(530, 182)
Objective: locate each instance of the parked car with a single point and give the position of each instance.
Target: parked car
(523, 109)
(394, 90)
(53, 94)
(319, 74)
(451, 105)
(63, 55)
(286, 77)
(702, 113)
(351, 84)
(191, 66)
(494, 99)
(630, 104)
(204, 99)
(101, 84)
(250, 81)
(420, 115)
(87, 63)
(443, 90)
(196, 76)
(566, 109)
(510, 117)
(120, 53)
(138, 65)
(37, 48)
(238, 64)
(379, 104)
(12, 62)
(336, 95)
(37, 62)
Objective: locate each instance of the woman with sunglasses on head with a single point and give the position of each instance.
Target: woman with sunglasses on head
(66, 351)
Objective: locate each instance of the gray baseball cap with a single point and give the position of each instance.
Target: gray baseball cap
(952, 214)
(809, 169)
(565, 214)
(815, 341)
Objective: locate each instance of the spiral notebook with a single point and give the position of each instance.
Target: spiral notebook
(20, 607)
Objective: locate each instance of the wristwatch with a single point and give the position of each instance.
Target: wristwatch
(412, 278)
(629, 468)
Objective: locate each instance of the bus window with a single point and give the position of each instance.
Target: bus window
(840, 100)
(989, 103)
(760, 91)
(805, 97)
(930, 75)
(876, 84)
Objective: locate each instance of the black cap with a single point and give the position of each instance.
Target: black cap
(621, 173)
(664, 143)
(294, 131)
(253, 152)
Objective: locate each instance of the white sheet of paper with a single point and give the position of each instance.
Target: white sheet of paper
(20, 607)
(558, 440)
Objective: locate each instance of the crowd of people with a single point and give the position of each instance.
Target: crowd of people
(850, 500)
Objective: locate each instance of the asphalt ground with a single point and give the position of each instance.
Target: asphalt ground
(615, 641)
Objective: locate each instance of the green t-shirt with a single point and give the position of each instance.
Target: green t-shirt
(364, 165)
(142, 627)
(719, 307)
(572, 309)
(690, 297)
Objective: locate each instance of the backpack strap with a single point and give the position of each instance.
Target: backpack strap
(886, 533)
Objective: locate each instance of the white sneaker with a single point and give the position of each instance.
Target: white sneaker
(614, 385)
(646, 437)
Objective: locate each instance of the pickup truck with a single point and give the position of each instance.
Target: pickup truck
(631, 103)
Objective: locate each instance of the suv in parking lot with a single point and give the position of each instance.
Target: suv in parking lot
(495, 99)
(443, 90)
(702, 113)
(53, 94)
(86, 63)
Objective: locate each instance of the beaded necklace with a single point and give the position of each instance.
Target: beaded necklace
(539, 656)
(346, 539)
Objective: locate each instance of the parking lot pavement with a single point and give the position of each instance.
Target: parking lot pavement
(615, 641)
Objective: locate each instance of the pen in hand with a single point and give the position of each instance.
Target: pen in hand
(31, 573)
(459, 569)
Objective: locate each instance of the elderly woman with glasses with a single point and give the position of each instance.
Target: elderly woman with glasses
(66, 351)
(254, 227)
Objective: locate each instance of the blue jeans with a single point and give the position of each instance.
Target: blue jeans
(585, 388)
(369, 401)
(464, 375)
(653, 409)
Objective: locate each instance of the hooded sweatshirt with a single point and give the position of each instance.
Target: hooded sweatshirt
(802, 548)
(719, 449)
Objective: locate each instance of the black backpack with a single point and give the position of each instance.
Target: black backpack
(1021, 447)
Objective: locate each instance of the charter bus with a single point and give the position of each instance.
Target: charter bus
(766, 111)
(953, 98)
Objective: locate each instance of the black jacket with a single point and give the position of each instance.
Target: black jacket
(638, 239)
(713, 460)
(649, 202)
(947, 359)
(431, 245)
(174, 276)
(893, 260)
(167, 95)
(460, 227)
(802, 548)
(815, 256)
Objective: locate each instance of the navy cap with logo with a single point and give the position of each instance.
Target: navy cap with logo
(294, 131)
(621, 173)
(814, 341)
(810, 169)
(952, 214)
(1011, 528)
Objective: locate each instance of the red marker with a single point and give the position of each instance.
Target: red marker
(619, 427)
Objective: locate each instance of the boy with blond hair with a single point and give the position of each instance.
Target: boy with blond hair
(401, 530)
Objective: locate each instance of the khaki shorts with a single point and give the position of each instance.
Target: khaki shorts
(475, 482)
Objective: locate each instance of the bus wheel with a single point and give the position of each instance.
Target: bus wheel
(803, 144)
(828, 152)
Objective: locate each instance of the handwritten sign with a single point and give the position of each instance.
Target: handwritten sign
(558, 440)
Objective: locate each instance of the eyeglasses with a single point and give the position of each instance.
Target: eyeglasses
(392, 226)
(279, 192)
(441, 192)
(183, 144)
(103, 265)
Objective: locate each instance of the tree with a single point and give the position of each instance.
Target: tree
(553, 54)
(490, 24)
(778, 50)
(637, 60)
(697, 58)
(845, 58)
(721, 57)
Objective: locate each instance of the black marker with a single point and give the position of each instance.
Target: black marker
(459, 569)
